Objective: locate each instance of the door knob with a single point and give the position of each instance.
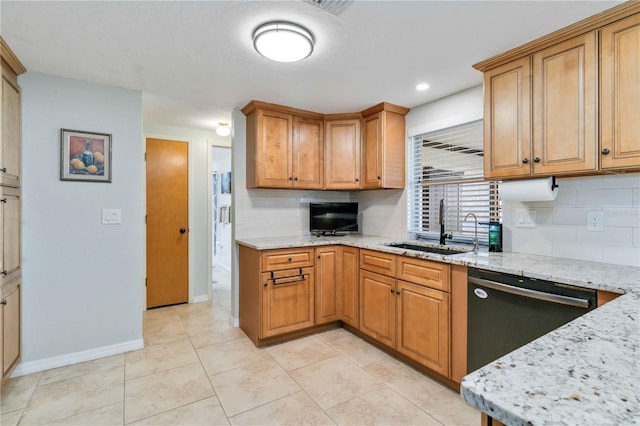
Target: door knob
(182, 230)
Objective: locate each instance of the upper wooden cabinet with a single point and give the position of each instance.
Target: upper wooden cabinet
(543, 100)
(291, 148)
(620, 94)
(10, 132)
(383, 144)
(342, 153)
(284, 147)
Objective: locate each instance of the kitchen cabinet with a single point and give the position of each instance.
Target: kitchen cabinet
(350, 295)
(378, 307)
(10, 266)
(10, 140)
(383, 144)
(619, 94)
(285, 147)
(327, 284)
(342, 152)
(10, 325)
(543, 99)
(276, 292)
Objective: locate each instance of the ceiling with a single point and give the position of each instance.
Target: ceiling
(194, 61)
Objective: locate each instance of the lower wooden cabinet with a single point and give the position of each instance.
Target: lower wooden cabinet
(10, 325)
(287, 301)
(349, 295)
(336, 285)
(378, 307)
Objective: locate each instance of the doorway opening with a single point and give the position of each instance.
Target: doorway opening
(221, 226)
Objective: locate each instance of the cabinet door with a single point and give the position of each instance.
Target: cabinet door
(10, 325)
(273, 149)
(378, 307)
(308, 153)
(564, 107)
(287, 302)
(10, 140)
(342, 154)
(620, 94)
(423, 326)
(372, 151)
(328, 284)
(507, 120)
(349, 290)
(9, 234)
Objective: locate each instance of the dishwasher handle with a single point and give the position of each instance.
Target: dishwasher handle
(532, 294)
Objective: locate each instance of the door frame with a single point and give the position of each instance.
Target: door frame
(146, 136)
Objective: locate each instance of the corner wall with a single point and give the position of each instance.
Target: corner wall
(83, 281)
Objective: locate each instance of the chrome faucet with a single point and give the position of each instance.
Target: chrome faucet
(443, 235)
(475, 239)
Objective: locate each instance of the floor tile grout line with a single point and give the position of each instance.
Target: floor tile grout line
(169, 410)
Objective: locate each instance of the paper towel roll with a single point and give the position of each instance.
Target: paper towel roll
(528, 190)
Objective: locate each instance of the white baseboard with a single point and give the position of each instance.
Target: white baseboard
(31, 367)
(201, 298)
(236, 322)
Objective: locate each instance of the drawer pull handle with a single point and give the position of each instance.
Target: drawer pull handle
(4, 302)
(4, 273)
(4, 200)
(291, 280)
(3, 170)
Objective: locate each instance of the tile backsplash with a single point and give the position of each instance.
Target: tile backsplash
(561, 225)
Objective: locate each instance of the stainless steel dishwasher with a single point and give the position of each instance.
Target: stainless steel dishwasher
(508, 311)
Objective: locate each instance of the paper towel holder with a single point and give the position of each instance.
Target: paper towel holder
(554, 185)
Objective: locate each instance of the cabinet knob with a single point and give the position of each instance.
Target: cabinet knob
(4, 273)
(379, 178)
(265, 284)
(391, 291)
(605, 151)
(295, 178)
(318, 257)
(398, 292)
(4, 302)
(525, 160)
(182, 230)
(289, 259)
(357, 180)
(290, 177)
(536, 160)
(3, 170)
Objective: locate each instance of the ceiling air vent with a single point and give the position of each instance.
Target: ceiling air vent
(335, 7)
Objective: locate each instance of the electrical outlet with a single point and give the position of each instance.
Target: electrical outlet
(595, 220)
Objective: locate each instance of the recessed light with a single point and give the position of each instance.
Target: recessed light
(422, 86)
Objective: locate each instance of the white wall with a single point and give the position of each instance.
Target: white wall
(199, 188)
(82, 281)
(221, 162)
(561, 228)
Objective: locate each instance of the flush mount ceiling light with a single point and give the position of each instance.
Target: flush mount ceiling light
(283, 41)
(422, 86)
(223, 129)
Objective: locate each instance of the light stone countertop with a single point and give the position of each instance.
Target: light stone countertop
(585, 372)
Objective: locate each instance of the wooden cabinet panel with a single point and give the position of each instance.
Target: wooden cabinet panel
(273, 149)
(424, 272)
(507, 120)
(378, 307)
(10, 297)
(372, 147)
(308, 153)
(350, 295)
(342, 153)
(620, 94)
(564, 107)
(10, 139)
(379, 262)
(287, 302)
(328, 284)
(10, 266)
(423, 326)
(276, 260)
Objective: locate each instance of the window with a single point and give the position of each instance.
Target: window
(447, 165)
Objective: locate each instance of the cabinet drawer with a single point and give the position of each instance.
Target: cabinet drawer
(379, 262)
(424, 272)
(276, 260)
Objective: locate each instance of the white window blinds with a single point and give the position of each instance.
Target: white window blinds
(447, 165)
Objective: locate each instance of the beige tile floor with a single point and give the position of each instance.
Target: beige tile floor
(196, 369)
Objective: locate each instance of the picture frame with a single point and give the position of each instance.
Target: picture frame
(225, 183)
(85, 156)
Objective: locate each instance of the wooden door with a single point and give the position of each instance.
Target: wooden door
(564, 107)
(287, 301)
(372, 151)
(274, 149)
(167, 223)
(308, 153)
(620, 94)
(10, 326)
(10, 140)
(423, 326)
(342, 154)
(349, 294)
(328, 284)
(10, 262)
(378, 307)
(507, 120)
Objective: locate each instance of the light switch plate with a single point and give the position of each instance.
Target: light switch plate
(111, 216)
(526, 218)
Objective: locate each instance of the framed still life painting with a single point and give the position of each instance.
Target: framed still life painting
(85, 156)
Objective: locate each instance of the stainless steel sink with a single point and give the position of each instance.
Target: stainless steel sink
(427, 249)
